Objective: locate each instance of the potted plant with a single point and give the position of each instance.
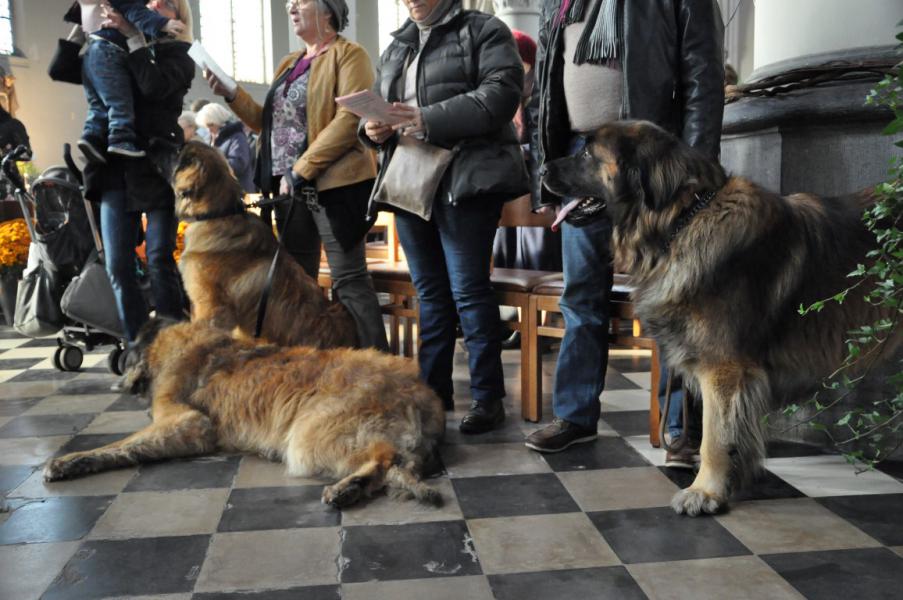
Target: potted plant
(14, 242)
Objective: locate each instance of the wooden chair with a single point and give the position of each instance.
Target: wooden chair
(625, 331)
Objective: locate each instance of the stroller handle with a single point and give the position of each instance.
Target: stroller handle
(8, 166)
(70, 164)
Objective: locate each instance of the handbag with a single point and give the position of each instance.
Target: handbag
(413, 175)
(37, 303)
(66, 64)
(89, 299)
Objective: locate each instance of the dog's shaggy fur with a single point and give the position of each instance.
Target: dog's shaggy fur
(227, 258)
(720, 295)
(359, 416)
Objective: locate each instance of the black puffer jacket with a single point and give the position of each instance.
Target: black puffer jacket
(673, 75)
(469, 85)
(162, 75)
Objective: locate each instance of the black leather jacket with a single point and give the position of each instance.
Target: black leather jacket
(469, 86)
(673, 75)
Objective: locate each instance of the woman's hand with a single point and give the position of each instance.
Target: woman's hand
(378, 132)
(116, 21)
(217, 87)
(285, 186)
(412, 123)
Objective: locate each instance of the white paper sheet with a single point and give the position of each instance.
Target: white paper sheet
(369, 105)
(203, 59)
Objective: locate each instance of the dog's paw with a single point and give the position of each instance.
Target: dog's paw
(693, 502)
(55, 470)
(343, 496)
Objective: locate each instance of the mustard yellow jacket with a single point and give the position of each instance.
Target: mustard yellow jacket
(335, 157)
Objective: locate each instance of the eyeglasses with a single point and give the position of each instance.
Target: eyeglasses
(292, 4)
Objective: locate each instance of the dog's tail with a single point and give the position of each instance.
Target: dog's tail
(403, 481)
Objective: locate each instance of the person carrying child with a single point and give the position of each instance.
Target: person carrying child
(110, 124)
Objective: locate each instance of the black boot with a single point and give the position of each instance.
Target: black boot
(483, 417)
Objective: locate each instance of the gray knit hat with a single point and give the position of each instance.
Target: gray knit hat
(339, 10)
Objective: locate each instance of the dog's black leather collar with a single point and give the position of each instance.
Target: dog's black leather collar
(237, 209)
(687, 215)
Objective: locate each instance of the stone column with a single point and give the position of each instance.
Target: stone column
(520, 14)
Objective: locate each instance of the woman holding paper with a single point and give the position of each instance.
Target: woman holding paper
(309, 146)
(455, 78)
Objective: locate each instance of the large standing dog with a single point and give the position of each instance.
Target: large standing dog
(720, 267)
(227, 256)
(359, 416)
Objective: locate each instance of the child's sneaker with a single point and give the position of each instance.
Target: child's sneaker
(91, 150)
(127, 150)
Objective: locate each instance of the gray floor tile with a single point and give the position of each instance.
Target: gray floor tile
(45, 425)
(612, 489)
(52, 519)
(602, 583)
(475, 460)
(277, 508)
(474, 587)
(12, 476)
(29, 451)
(512, 495)
(841, 574)
(605, 452)
(161, 514)
(13, 407)
(198, 473)
(659, 535)
(415, 551)
(105, 568)
(27, 569)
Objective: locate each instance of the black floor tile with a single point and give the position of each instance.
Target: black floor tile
(786, 449)
(199, 473)
(99, 385)
(659, 535)
(101, 569)
(602, 453)
(512, 495)
(11, 477)
(11, 364)
(628, 422)
(44, 375)
(585, 584)
(41, 343)
(879, 515)
(415, 551)
(841, 574)
(616, 381)
(80, 443)
(14, 407)
(277, 508)
(508, 433)
(319, 592)
(129, 402)
(41, 425)
(894, 468)
(767, 486)
(630, 364)
(53, 519)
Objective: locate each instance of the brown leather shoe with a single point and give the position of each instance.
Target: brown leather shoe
(483, 417)
(686, 457)
(559, 435)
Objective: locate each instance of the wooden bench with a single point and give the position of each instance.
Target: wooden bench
(625, 330)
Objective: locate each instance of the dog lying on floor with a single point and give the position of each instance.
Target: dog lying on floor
(227, 256)
(359, 416)
(720, 267)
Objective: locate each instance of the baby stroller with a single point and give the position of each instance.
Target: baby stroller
(64, 289)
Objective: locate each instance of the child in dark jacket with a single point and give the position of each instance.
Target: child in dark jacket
(110, 124)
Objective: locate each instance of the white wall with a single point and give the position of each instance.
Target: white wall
(791, 28)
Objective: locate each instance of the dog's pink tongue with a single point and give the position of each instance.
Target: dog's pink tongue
(564, 212)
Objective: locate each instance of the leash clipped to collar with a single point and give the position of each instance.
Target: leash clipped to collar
(687, 216)
(236, 209)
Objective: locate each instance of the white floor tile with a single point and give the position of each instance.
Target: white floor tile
(819, 476)
(641, 444)
(644, 380)
(621, 400)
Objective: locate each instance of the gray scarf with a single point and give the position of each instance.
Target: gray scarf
(439, 12)
(601, 39)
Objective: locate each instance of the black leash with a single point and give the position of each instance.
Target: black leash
(265, 296)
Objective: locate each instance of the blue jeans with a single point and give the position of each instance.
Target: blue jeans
(449, 261)
(674, 422)
(108, 89)
(119, 229)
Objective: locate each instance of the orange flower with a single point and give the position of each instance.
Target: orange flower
(14, 241)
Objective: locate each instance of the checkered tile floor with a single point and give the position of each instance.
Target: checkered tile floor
(589, 523)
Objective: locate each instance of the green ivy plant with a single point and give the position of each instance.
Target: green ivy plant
(870, 433)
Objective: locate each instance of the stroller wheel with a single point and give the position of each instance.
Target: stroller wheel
(116, 361)
(68, 358)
